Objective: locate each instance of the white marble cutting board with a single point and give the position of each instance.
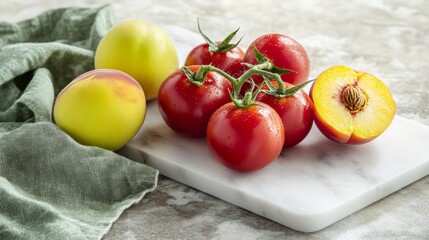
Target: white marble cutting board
(309, 186)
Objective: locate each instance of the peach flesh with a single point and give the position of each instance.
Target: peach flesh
(350, 106)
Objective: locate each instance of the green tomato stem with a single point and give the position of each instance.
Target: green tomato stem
(223, 46)
(249, 97)
(262, 69)
(198, 77)
(286, 92)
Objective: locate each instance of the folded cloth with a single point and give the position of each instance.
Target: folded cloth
(50, 186)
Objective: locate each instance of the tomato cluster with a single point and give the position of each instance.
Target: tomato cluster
(249, 105)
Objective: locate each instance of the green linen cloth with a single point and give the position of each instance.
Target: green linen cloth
(50, 186)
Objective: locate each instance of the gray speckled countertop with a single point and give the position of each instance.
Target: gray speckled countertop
(387, 38)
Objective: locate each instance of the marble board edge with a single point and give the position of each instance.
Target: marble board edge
(307, 222)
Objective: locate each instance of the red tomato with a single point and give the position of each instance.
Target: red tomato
(296, 112)
(284, 52)
(186, 107)
(245, 139)
(228, 61)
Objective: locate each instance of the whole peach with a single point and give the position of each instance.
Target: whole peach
(142, 50)
(103, 108)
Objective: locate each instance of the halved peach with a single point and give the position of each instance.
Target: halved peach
(350, 106)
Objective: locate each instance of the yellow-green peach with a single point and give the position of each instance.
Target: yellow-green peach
(103, 108)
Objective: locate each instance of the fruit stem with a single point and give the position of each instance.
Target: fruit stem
(273, 72)
(196, 78)
(281, 91)
(264, 68)
(222, 46)
(249, 97)
(354, 98)
(237, 83)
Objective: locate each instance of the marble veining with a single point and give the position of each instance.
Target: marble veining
(308, 187)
